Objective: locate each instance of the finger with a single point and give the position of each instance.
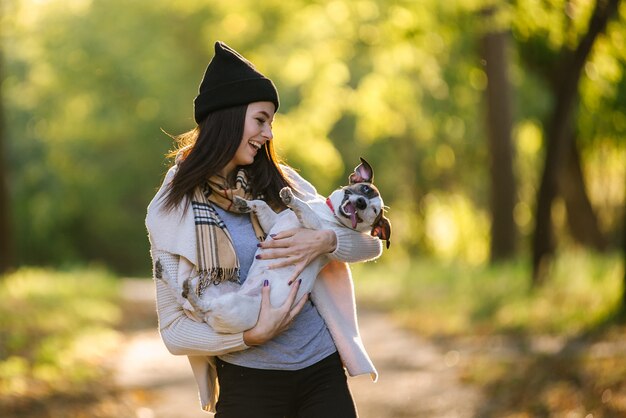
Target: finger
(299, 269)
(280, 240)
(284, 262)
(282, 243)
(273, 254)
(292, 295)
(284, 234)
(265, 295)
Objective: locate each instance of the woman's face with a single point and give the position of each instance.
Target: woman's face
(257, 130)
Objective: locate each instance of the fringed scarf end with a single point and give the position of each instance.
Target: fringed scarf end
(216, 276)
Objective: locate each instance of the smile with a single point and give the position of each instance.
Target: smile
(255, 144)
(348, 209)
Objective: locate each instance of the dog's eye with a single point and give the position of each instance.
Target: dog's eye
(365, 189)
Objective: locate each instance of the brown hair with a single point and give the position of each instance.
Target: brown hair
(205, 151)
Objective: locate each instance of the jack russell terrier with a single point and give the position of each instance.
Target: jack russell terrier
(357, 206)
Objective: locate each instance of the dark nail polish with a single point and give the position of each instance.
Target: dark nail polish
(272, 235)
(299, 281)
(289, 282)
(266, 283)
(258, 257)
(259, 245)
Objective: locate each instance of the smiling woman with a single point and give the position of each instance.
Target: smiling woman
(290, 363)
(257, 131)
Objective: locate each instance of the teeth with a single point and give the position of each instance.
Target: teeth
(255, 144)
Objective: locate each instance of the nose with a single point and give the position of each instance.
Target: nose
(361, 203)
(268, 134)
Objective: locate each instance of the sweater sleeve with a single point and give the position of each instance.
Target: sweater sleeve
(181, 334)
(352, 246)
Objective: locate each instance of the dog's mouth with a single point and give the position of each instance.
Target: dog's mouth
(348, 209)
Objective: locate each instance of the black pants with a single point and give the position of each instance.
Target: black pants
(317, 391)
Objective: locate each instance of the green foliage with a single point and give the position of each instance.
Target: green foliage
(55, 331)
(545, 31)
(89, 85)
(459, 299)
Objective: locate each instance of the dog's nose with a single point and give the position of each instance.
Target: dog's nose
(361, 203)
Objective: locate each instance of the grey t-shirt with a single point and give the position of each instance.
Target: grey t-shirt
(304, 343)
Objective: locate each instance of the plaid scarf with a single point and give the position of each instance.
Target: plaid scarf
(217, 260)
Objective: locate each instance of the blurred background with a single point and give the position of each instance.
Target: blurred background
(496, 129)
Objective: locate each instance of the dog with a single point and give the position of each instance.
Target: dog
(358, 206)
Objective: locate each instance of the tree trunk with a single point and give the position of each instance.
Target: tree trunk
(499, 121)
(6, 247)
(558, 138)
(581, 218)
(623, 307)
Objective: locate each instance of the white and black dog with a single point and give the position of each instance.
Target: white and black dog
(357, 206)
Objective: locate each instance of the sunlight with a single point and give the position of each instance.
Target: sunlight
(528, 137)
(605, 166)
(376, 117)
(478, 79)
(298, 68)
(455, 229)
(338, 11)
(522, 214)
(73, 6)
(444, 157)
(240, 24)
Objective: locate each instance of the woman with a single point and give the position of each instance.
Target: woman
(290, 364)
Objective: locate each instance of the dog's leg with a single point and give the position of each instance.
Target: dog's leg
(306, 215)
(242, 205)
(161, 274)
(188, 293)
(267, 217)
(231, 312)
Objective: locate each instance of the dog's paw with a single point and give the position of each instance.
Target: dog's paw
(186, 288)
(158, 270)
(286, 195)
(241, 205)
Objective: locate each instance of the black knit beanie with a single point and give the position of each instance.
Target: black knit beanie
(231, 80)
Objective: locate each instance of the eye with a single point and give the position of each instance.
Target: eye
(260, 120)
(365, 189)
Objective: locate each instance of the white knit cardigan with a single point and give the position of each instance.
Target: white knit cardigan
(173, 241)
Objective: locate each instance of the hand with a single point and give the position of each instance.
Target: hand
(272, 321)
(298, 247)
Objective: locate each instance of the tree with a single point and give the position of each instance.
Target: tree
(558, 135)
(624, 257)
(6, 248)
(400, 83)
(499, 121)
(581, 217)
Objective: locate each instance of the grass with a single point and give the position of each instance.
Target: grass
(555, 351)
(56, 332)
(452, 299)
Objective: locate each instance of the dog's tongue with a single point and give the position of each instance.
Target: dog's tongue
(351, 210)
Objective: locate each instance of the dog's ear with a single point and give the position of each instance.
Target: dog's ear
(382, 229)
(363, 173)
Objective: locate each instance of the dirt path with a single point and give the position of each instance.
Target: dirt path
(416, 378)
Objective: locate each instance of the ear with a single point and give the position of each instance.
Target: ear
(382, 229)
(363, 173)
